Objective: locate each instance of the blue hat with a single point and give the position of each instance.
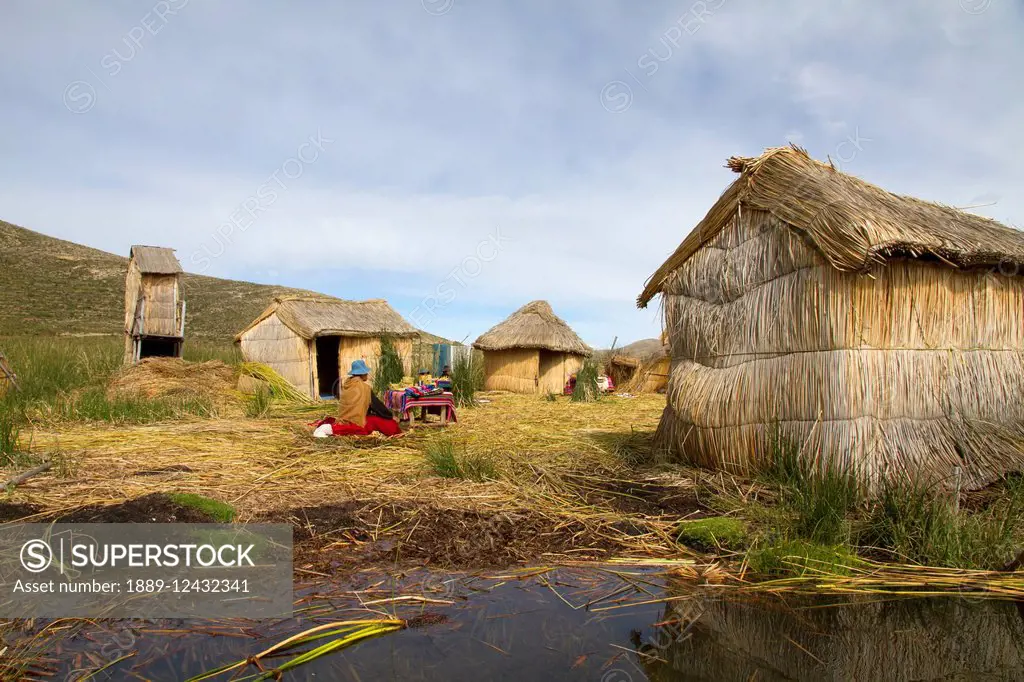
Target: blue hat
(358, 367)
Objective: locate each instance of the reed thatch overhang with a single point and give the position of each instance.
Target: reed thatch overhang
(535, 325)
(155, 260)
(854, 224)
(311, 317)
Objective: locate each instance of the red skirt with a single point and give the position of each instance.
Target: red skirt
(389, 427)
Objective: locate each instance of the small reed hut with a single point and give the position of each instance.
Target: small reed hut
(878, 331)
(640, 367)
(154, 317)
(312, 341)
(532, 351)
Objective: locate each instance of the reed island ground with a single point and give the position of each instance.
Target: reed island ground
(518, 481)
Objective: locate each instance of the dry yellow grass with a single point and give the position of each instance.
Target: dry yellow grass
(549, 456)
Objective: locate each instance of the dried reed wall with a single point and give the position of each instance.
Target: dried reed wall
(915, 369)
(368, 348)
(132, 287)
(274, 344)
(513, 370)
(161, 316)
(648, 377)
(554, 370)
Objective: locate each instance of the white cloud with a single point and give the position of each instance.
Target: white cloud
(449, 126)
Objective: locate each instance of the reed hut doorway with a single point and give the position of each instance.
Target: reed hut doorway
(159, 348)
(327, 370)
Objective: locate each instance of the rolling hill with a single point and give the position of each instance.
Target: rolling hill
(52, 287)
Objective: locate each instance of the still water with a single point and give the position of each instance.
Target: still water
(588, 624)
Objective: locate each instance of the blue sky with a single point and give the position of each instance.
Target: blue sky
(462, 158)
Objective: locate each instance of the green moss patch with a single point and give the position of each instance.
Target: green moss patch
(218, 511)
(798, 557)
(713, 533)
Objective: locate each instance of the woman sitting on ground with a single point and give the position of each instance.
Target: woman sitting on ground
(360, 412)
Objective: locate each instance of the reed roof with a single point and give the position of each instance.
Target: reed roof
(854, 224)
(155, 260)
(312, 316)
(535, 325)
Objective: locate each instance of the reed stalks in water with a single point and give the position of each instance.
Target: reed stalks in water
(347, 633)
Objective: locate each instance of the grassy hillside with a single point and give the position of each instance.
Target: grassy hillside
(50, 286)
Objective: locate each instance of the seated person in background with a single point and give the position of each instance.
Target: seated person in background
(445, 380)
(360, 412)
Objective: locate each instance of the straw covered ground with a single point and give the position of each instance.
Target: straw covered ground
(553, 479)
(518, 480)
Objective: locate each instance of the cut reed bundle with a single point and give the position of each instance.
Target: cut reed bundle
(279, 387)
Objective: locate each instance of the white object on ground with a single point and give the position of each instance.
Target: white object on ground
(323, 431)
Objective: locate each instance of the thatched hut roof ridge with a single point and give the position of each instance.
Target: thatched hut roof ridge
(854, 224)
(535, 325)
(155, 260)
(313, 316)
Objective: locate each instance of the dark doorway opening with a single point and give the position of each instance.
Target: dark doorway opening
(158, 348)
(327, 348)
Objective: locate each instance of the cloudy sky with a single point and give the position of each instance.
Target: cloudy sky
(461, 158)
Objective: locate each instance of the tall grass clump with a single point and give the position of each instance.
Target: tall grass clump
(467, 379)
(821, 496)
(258, 404)
(66, 379)
(390, 369)
(824, 503)
(96, 405)
(196, 350)
(50, 368)
(10, 432)
(919, 522)
(586, 389)
(448, 460)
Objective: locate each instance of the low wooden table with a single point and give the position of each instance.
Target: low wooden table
(403, 406)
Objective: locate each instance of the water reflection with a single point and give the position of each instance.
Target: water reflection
(814, 639)
(607, 626)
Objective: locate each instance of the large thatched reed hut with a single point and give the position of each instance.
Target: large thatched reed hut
(882, 331)
(154, 309)
(640, 367)
(312, 341)
(532, 351)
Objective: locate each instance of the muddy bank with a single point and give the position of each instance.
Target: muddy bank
(154, 508)
(354, 534)
(351, 535)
